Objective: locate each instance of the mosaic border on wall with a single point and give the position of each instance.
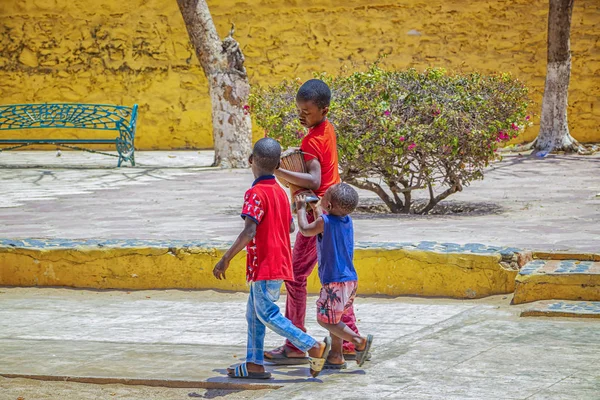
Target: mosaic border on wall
(472, 248)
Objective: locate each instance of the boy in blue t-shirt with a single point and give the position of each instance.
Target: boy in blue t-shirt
(335, 248)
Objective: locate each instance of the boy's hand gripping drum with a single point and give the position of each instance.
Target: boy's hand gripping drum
(293, 160)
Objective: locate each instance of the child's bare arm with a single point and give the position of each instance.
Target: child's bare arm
(317, 209)
(310, 180)
(242, 241)
(307, 229)
(292, 226)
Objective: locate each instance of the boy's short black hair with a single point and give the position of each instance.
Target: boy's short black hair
(315, 90)
(266, 154)
(343, 196)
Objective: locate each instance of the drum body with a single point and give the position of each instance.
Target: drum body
(293, 160)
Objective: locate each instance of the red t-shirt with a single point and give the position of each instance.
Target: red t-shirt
(270, 252)
(321, 143)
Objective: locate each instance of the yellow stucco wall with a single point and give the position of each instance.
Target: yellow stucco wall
(137, 51)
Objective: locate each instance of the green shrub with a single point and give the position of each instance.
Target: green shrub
(400, 131)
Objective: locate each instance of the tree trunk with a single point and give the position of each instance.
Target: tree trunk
(395, 205)
(223, 65)
(554, 129)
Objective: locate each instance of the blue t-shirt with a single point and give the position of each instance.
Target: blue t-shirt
(335, 248)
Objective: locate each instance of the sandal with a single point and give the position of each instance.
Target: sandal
(362, 355)
(280, 357)
(317, 364)
(241, 372)
(352, 356)
(329, 365)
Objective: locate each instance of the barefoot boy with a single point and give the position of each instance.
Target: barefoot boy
(335, 245)
(320, 153)
(266, 236)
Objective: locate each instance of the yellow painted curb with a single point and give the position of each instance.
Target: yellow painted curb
(381, 271)
(541, 255)
(554, 314)
(531, 288)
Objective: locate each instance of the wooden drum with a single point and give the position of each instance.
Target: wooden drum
(293, 160)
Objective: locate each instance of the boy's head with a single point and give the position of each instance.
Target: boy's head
(340, 199)
(312, 102)
(265, 157)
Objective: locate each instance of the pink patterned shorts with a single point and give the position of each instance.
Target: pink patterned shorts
(335, 300)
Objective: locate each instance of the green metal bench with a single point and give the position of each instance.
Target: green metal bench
(72, 115)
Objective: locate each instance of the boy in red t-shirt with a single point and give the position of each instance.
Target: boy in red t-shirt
(266, 236)
(320, 153)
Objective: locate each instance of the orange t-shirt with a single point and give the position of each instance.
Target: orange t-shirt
(320, 143)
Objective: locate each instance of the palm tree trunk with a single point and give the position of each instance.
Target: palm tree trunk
(554, 129)
(223, 65)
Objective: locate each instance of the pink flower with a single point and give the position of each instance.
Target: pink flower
(527, 118)
(502, 136)
(411, 146)
(387, 113)
(514, 127)
(402, 138)
(246, 109)
(436, 112)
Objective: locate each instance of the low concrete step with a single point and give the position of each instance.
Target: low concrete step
(563, 308)
(558, 279)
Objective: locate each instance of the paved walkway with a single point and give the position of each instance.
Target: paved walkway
(541, 204)
(423, 349)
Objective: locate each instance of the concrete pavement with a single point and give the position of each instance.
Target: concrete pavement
(423, 349)
(84, 160)
(13, 388)
(540, 204)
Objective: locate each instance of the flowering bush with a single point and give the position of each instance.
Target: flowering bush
(401, 131)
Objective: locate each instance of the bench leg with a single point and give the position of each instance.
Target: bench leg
(131, 159)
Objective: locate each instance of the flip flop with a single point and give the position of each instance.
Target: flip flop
(241, 372)
(352, 356)
(361, 356)
(280, 358)
(316, 364)
(329, 365)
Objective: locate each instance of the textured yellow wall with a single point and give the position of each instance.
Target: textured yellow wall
(123, 52)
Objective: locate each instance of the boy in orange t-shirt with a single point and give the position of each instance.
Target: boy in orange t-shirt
(320, 153)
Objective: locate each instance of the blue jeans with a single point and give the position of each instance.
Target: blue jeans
(262, 312)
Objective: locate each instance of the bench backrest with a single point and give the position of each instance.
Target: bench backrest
(68, 115)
